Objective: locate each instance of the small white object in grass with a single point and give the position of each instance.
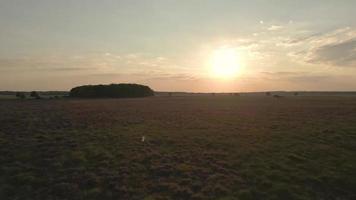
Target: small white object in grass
(143, 138)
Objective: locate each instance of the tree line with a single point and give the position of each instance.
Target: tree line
(121, 90)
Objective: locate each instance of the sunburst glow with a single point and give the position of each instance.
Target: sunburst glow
(226, 63)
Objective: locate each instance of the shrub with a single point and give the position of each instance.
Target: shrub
(34, 94)
(20, 95)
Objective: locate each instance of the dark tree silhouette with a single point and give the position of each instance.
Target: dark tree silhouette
(20, 95)
(111, 91)
(35, 94)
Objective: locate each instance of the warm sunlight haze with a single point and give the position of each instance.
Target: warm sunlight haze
(178, 99)
(179, 45)
(226, 63)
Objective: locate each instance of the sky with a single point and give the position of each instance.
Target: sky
(171, 45)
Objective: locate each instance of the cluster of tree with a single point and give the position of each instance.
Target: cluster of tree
(33, 94)
(112, 91)
(276, 95)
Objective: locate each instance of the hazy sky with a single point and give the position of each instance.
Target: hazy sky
(168, 44)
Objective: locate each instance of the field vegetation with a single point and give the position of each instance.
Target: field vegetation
(212, 147)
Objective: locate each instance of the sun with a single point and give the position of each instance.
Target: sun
(225, 63)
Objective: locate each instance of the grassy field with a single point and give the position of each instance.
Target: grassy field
(2, 96)
(221, 147)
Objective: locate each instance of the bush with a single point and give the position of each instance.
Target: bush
(35, 95)
(111, 91)
(20, 95)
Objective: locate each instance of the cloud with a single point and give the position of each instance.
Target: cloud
(297, 45)
(174, 77)
(294, 76)
(45, 64)
(305, 80)
(92, 63)
(70, 69)
(335, 48)
(339, 54)
(275, 28)
(98, 66)
(300, 40)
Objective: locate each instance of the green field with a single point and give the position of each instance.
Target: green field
(217, 147)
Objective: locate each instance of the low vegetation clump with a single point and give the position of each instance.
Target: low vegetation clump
(111, 91)
(35, 95)
(20, 95)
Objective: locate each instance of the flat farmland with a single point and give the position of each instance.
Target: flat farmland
(212, 147)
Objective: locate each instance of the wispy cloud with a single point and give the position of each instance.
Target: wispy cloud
(338, 54)
(295, 76)
(275, 28)
(296, 44)
(94, 62)
(336, 48)
(304, 81)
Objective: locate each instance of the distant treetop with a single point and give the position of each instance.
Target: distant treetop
(121, 90)
(35, 94)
